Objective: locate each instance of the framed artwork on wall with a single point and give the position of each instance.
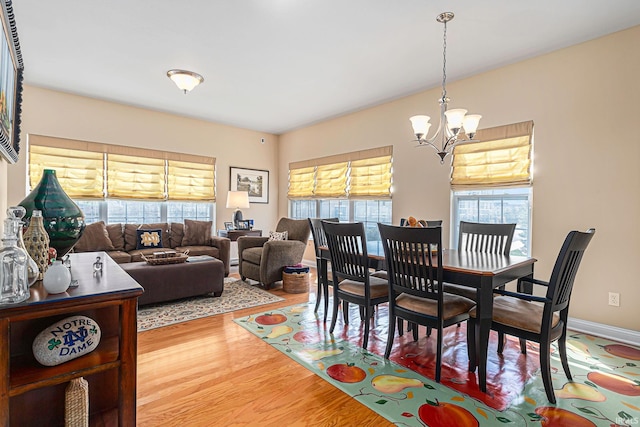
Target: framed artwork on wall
(255, 181)
(11, 69)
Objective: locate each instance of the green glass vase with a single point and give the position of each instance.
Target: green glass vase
(63, 219)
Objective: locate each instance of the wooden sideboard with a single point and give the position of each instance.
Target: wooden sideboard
(32, 394)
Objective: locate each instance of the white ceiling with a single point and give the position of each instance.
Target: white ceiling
(276, 65)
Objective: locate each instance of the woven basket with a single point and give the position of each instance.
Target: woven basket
(76, 405)
(179, 258)
(295, 283)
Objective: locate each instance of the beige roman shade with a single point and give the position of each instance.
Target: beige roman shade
(501, 158)
(130, 173)
(301, 182)
(359, 175)
(190, 181)
(80, 172)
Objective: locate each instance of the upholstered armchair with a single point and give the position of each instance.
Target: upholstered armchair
(263, 260)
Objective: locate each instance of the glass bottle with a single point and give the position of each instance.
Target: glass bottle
(36, 242)
(33, 271)
(14, 284)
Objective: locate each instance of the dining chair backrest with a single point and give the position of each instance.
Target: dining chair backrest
(484, 237)
(427, 223)
(319, 239)
(348, 250)
(412, 267)
(565, 269)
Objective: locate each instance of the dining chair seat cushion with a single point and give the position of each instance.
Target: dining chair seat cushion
(465, 291)
(453, 305)
(517, 313)
(253, 255)
(380, 274)
(379, 287)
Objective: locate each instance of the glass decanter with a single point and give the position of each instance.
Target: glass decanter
(14, 282)
(17, 213)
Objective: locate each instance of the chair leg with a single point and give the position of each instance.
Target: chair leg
(391, 334)
(523, 346)
(501, 342)
(429, 329)
(319, 292)
(367, 320)
(471, 344)
(400, 326)
(439, 354)
(345, 311)
(562, 348)
(414, 330)
(545, 368)
(334, 317)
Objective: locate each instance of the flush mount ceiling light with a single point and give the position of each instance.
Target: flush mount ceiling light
(455, 125)
(185, 80)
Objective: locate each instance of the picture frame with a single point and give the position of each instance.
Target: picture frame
(244, 225)
(229, 226)
(255, 181)
(11, 77)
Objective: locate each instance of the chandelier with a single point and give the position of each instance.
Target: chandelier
(185, 80)
(455, 125)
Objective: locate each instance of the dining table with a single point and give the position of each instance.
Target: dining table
(482, 271)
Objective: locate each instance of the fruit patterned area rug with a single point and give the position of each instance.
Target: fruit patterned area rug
(605, 390)
(236, 295)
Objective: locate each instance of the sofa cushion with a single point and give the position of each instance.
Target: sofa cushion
(94, 238)
(130, 236)
(120, 257)
(148, 239)
(164, 226)
(196, 233)
(177, 234)
(252, 255)
(200, 250)
(116, 234)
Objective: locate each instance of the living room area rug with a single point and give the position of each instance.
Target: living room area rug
(604, 391)
(236, 295)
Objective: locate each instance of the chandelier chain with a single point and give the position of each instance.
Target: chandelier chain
(444, 62)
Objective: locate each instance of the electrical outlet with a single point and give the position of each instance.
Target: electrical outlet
(614, 299)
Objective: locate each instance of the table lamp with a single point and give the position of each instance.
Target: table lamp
(238, 200)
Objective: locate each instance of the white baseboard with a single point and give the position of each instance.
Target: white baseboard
(613, 333)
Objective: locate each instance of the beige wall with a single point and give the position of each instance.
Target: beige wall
(586, 174)
(53, 113)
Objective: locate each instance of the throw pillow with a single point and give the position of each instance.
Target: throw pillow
(148, 239)
(94, 238)
(197, 233)
(116, 235)
(275, 235)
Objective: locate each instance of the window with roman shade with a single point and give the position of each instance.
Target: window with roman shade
(362, 174)
(95, 171)
(501, 158)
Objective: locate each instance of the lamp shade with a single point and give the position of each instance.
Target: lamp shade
(238, 199)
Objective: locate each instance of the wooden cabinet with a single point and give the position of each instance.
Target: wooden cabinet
(32, 394)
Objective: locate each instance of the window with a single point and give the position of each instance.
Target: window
(506, 205)
(491, 182)
(370, 212)
(141, 212)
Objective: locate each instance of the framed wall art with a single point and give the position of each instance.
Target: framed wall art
(255, 181)
(11, 69)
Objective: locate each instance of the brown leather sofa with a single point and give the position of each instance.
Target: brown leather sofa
(121, 241)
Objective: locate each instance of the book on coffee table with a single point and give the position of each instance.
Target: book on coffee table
(198, 258)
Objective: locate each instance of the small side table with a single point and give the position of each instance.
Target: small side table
(233, 235)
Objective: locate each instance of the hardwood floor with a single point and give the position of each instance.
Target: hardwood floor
(211, 372)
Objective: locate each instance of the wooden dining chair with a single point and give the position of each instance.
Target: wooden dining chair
(319, 240)
(484, 238)
(352, 281)
(415, 283)
(539, 319)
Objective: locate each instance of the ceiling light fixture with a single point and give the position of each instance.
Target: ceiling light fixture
(185, 80)
(455, 125)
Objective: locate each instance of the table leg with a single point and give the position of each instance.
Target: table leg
(483, 327)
